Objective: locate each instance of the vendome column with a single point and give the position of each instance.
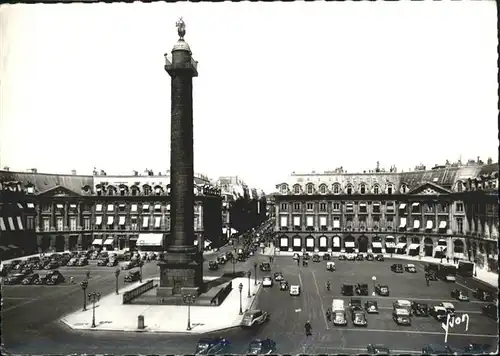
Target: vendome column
(181, 269)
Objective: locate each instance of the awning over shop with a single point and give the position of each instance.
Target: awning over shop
(20, 206)
(145, 206)
(402, 206)
(19, 223)
(30, 205)
(416, 224)
(121, 221)
(349, 244)
(440, 248)
(2, 224)
(145, 222)
(402, 223)
(157, 207)
(72, 206)
(401, 245)
(110, 221)
(157, 221)
(376, 244)
(109, 242)
(59, 206)
(429, 225)
(98, 220)
(11, 223)
(150, 240)
(415, 205)
(442, 224)
(414, 246)
(97, 242)
(336, 224)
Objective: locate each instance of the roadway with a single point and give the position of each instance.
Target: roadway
(31, 313)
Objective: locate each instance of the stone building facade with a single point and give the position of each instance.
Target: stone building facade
(446, 211)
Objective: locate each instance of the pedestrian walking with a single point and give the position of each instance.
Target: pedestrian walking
(447, 259)
(328, 315)
(308, 328)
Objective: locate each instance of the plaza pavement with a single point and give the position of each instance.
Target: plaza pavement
(112, 315)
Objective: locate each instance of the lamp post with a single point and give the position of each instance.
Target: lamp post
(94, 298)
(255, 272)
(374, 279)
(84, 284)
(141, 263)
(189, 299)
(117, 273)
(248, 275)
(240, 288)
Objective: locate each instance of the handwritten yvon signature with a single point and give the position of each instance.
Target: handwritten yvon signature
(452, 321)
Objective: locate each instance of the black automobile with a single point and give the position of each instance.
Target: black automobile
(19, 265)
(306, 256)
(221, 260)
(72, 262)
(483, 295)
(132, 276)
(490, 310)
(229, 256)
(476, 349)
(419, 309)
(213, 346)
(27, 270)
(347, 289)
(103, 262)
(213, 265)
(278, 276)
(359, 318)
(371, 307)
(369, 257)
(342, 258)
(379, 258)
(360, 257)
(382, 290)
(54, 277)
(361, 289)
(431, 275)
(261, 347)
(327, 257)
(316, 258)
(377, 349)
(355, 304)
(52, 265)
(284, 285)
(397, 268)
(265, 267)
(437, 349)
(459, 295)
(16, 278)
(30, 279)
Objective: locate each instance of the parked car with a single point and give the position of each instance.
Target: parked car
(438, 312)
(342, 257)
(327, 257)
(213, 346)
(283, 285)
(371, 307)
(401, 316)
(360, 257)
(316, 258)
(459, 295)
(379, 258)
(278, 276)
(30, 279)
(369, 257)
(130, 264)
(361, 289)
(102, 262)
(112, 263)
(213, 266)
(355, 304)
(410, 268)
(15, 278)
(476, 349)
(254, 317)
(382, 290)
(82, 262)
(347, 289)
(483, 295)
(330, 266)
(419, 309)
(265, 267)
(261, 347)
(132, 276)
(339, 318)
(437, 349)
(359, 318)
(450, 308)
(377, 349)
(397, 268)
(54, 277)
(351, 257)
(72, 262)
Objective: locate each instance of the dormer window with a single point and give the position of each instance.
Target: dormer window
(146, 189)
(158, 190)
(322, 189)
(362, 189)
(349, 189)
(98, 189)
(111, 190)
(404, 188)
(134, 190)
(376, 189)
(284, 189)
(123, 190)
(309, 189)
(460, 187)
(390, 189)
(296, 189)
(336, 189)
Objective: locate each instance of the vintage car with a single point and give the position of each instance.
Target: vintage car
(397, 268)
(261, 347)
(30, 279)
(377, 349)
(221, 260)
(410, 268)
(82, 262)
(355, 304)
(351, 257)
(360, 257)
(460, 295)
(54, 277)
(72, 262)
(278, 276)
(213, 266)
(267, 281)
(283, 285)
(316, 258)
(476, 349)
(437, 349)
(347, 289)
(28, 269)
(103, 261)
(112, 262)
(369, 257)
(342, 257)
(438, 312)
(130, 264)
(339, 318)
(254, 317)
(379, 258)
(330, 266)
(450, 308)
(295, 290)
(15, 278)
(359, 317)
(402, 304)
(265, 267)
(305, 256)
(361, 289)
(371, 307)
(419, 309)
(296, 256)
(401, 316)
(483, 295)
(327, 257)
(382, 290)
(431, 276)
(52, 265)
(213, 346)
(132, 276)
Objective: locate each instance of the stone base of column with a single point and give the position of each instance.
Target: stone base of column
(181, 273)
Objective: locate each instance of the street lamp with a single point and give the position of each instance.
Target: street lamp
(240, 287)
(117, 273)
(374, 279)
(255, 272)
(141, 263)
(189, 299)
(248, 275)
(94, 298)
(84, 284)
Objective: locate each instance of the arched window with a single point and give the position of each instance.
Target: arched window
(349, 189)
(404, 188)
(336, 188)
(296, 189)
(390, 189)
(362, 188)
(460, 186)
(322, 189)
(376, 189)
(284, 189)
(309, 189)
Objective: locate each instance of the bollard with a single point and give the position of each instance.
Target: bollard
(140, 322)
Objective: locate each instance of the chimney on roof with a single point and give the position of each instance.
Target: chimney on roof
(159, 173)
(136, 173)
(73, 172)
(6, 168)
(34, 170)
(478, 159)
(490, 160)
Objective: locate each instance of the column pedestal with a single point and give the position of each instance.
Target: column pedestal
(181, 273)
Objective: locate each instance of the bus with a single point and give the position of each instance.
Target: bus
(465, 268)
(447, 272)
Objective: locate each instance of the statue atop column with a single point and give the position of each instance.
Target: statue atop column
(181, 28)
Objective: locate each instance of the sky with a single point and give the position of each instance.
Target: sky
(282, 87)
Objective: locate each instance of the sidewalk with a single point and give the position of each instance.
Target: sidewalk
(112, 315)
